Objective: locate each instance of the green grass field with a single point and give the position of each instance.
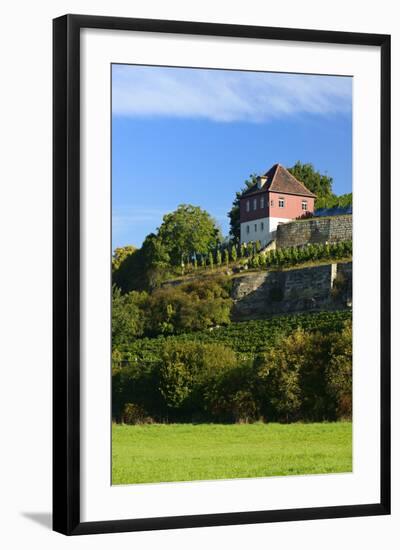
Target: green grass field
(186, 452)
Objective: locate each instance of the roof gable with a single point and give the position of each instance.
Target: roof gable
(279, 180)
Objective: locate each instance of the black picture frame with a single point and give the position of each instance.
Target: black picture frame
(66, 273)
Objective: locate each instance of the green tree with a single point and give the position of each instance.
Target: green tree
(219, 258)
(234, 213)
(128, 319)
(185, 369)
(210, 260)
(120, 254)
(339, 372)
(317, 183)
(320, 185)
(188, 229)
(145, 268)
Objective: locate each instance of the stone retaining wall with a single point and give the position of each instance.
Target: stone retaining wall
(314, 231)
(261, 294)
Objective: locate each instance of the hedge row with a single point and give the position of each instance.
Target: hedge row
(305, 376)
(298, 255)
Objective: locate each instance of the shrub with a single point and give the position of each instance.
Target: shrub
(128, 318)
(307, 376)
(226, 256)
(262, 260)
(339, 373)
(231, 395)
(219, 258)
(255, 261)
(234, 253)
(135, 414)
(185, 370)
(190, 306)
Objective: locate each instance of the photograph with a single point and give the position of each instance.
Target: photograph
(231, 274)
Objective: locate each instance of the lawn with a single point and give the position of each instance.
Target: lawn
(185, 452)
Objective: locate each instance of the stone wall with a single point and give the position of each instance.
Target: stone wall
(314, 231)
(258, 295)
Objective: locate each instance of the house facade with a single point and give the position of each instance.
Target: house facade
(277, 197)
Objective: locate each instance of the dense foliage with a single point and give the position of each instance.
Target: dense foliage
(188, 231)
(194, 305)
(185, 234)
(293, 256)
(305, 375)
(320, 185)
(245, 338)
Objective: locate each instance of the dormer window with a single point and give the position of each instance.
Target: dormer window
(254, 204)
(281, 202)
(247, 206)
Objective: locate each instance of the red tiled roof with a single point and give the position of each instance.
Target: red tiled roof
(280, 180)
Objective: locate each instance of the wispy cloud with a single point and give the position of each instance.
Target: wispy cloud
(225, 96)
(130, 217)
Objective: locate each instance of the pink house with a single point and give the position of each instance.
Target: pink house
(277, 197)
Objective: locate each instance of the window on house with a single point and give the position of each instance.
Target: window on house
(254, 204)
(262, 226)
(247, 229)
(281, 202)
(255, 228)
(304, 205)
(262, 202)
(247, 206)
(272, 203)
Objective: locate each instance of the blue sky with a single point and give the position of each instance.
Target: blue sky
(194, 135)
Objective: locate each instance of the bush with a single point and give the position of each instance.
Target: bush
(231, 395)
(135, 414)
(288, 368)
(186, 369)
(339, 373)
(128, 319)
(307, 376)
(195, 305)
(226, 256)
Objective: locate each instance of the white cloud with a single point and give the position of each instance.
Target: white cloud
(132, 217)
(225, 96)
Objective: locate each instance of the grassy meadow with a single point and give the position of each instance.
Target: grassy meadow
(185, 452)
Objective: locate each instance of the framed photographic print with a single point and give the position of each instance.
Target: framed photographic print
(221, 274)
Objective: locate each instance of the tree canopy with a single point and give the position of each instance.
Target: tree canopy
(187, 231)
(317, 183)
(120, 254)
(320, 185)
